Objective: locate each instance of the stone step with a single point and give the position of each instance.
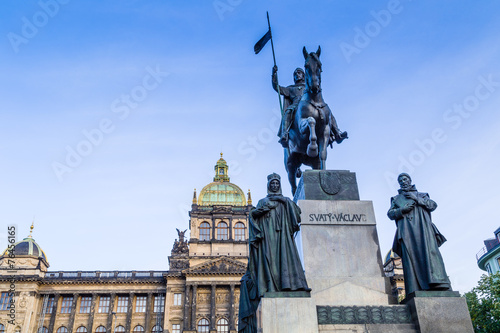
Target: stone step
(368, 328)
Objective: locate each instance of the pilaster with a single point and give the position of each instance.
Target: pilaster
(72, 313)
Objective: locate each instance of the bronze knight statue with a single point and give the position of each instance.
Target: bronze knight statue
(308, 125)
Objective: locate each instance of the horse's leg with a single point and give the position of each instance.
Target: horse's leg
(312, 147)
(293, 165)
(323, 146)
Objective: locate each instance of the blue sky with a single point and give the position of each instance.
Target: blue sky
(415, 83)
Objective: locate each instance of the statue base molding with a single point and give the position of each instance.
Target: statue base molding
(287, 315)
(439, 311)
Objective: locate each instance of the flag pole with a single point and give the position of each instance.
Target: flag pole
(274, 59)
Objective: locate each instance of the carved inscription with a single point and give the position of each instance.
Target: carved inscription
(340, 217)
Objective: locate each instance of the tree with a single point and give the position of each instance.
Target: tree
(484, 304)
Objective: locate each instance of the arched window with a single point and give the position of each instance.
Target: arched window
(138, 328)
(205, 231)
(2, 328)
(82, 329)
(100, 329)
(119, 329)
(62, 329)
(222, 231)
(41, 330)
(157, 329)
(222, 326)
(239, 231)
(203, 326)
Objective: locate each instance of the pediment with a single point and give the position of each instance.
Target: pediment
(219, 266)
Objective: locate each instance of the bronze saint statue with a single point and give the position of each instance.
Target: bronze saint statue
(291, 98)
(274, 264)
(417, 239)
(313, 126)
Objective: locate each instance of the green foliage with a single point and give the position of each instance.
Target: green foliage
(484, 304)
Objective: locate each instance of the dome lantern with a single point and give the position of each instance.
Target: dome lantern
(221, 191)
(221, 170)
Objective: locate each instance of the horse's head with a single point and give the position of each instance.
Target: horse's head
(313, 70)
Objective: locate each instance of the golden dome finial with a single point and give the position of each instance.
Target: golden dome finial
(249, 199)
(31, 228)
(221, 154)
(194, 198)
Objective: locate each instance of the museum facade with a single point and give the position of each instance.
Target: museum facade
(199, 292)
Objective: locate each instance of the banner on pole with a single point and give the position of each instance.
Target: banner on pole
(262, 42)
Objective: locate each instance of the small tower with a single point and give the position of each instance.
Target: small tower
(221, 170)
(27, 258)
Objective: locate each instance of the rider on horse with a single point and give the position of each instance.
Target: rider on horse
(292, 95)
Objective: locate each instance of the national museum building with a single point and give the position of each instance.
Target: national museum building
(199, 293)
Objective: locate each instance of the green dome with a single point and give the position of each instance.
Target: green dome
(221, 193)
(26, 247)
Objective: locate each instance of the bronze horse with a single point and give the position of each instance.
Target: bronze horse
(311, 130)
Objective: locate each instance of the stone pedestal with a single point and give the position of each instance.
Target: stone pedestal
(343, 267)
(341, 253)
(287, 315)
(439, 311)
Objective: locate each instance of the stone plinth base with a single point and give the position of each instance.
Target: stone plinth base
(327, 185)
(287, 315)
(368, 328)
(341, 253)
(436, 311)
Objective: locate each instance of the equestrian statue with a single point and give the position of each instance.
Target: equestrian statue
(308, 125)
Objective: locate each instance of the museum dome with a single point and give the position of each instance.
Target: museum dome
(390, 255)
(27, 247)
(221, 191)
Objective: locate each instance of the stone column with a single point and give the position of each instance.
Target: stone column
(212, 307)
(109, 326)
(72, 313)
(213, 228)
(90, 323)
(193, 307)
(187, 323)
(230, 235)
(147, 325)
(128, 321)
(231, 307)
(54, 313)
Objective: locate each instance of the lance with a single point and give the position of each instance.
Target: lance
(274, 59)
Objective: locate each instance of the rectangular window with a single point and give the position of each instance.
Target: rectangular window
(488, 268)
(159, 303)
(122, 304)
(50, 304)
(177, 299)
(85, 304)
(498, 261)
(103, 304)
(176, 328)
(140, 304)
(66, 304)
(4, 301)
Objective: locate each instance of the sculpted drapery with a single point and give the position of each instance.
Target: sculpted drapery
(417, 239)
(274, 264)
